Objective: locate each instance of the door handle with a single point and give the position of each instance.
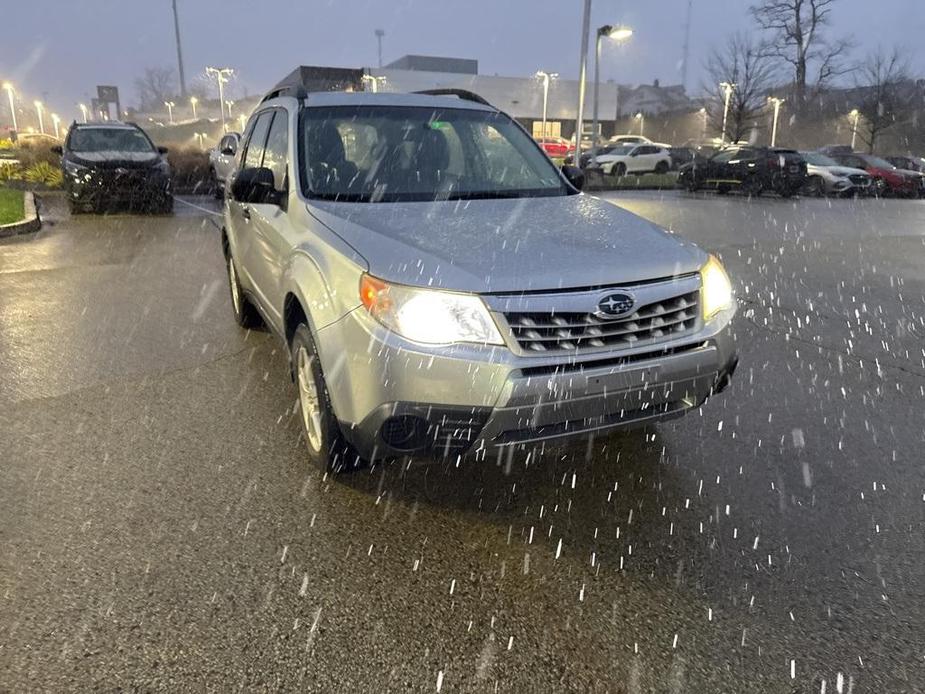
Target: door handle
(246, 213)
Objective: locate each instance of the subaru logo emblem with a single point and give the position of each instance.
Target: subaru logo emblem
(615, 305)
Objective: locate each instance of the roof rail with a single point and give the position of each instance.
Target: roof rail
(463, 94)
(296, 91)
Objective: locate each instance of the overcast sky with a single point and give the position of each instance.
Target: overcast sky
(59, 50)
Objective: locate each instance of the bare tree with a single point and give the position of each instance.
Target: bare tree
(155, 86)
(882, 84)
(745, 64)
(797, 37)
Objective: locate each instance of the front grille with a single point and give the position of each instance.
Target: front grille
(652, 322)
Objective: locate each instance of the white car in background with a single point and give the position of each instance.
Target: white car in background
(634, 140)
(222, 161)
(635, 159)
(825, 176)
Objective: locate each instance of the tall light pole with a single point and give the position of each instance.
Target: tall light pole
(728, 88)
(856, 116)
(192, 102)
(582, 74)
(83, 111)
(38, 109)
(56, 120)
(546, 77)
(379, 34)
(170, 105)
(703, 126)
(221, 76)
(641, 117)
(9, 93)
(618, 33)
(242, 119)
(176, 29)
(776, 102)
(229, 104)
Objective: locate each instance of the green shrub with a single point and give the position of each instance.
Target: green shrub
(10, 172)
(44, 173)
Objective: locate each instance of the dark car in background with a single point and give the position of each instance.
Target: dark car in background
(110, 164)
(751, 170)
(907, 163)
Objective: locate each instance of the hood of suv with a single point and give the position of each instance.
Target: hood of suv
(110, 159)
(509, 245)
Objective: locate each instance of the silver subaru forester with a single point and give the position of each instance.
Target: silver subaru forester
(443, 289)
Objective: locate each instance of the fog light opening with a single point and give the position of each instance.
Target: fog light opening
(404, 433)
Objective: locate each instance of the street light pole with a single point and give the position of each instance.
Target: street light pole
(546, 77)
(9, 92)
(220, 73)
(619, 33)
(38, 109)
(56, 120)
(83, 111)
(856, 115)
(169, 105)
(728, 88)
(642, 123)
(776, 102)
(192, 102)
(379, 34)
(230, 103)
(703, 127)
(582, 74)
(176, 28)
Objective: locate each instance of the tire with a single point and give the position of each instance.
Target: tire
(321, 432)
(164, 205)
(815, 187)
(722, 189)
(618, 170)
(662, 167)
(752, 187)
(245, 314)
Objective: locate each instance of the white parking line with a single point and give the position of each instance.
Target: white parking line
(197, 207)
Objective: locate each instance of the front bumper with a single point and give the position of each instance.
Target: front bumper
(400, 398)
(103, 186)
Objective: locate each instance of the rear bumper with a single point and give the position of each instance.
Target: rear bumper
(398, 399)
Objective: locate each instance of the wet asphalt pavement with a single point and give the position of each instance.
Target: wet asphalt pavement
(161, 530)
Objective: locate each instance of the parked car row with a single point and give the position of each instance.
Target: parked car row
(832, 171)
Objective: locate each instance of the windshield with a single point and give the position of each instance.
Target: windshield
(878, 162)
(620, 150)
(109, 140)
(817, 159)
(390, 154)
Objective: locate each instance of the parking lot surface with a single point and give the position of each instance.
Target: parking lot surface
(162, 530)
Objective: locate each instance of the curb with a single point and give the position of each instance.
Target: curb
(32, 222)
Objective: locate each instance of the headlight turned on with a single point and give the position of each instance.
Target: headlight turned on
(716, 289)
(429, 316)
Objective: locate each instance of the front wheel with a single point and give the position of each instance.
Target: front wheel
(323, 438)
(618, 170)
(661, 168)
(815, 187)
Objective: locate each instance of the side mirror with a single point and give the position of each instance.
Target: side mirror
(57, 149)
(255, 185)
(162, 150)
(574, 175)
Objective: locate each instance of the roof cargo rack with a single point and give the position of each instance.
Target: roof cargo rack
(311, 78)
(463, 94)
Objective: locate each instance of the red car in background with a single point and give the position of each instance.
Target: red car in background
(554, 146)
(888, 180)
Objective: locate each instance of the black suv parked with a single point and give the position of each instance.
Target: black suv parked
(114, 163)
(749, 169)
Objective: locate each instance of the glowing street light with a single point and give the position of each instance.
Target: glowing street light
(192, 102)
(221, 76)
(728, 88)
(83, 111)
(201, 137)
(856, 116)
(9, 92)
(546, 77)
(56, 121)
(641, 117)
(617, 33)
(170, 105)
(229, 104)
(373, 81)
(38, 109)
(776, 102)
